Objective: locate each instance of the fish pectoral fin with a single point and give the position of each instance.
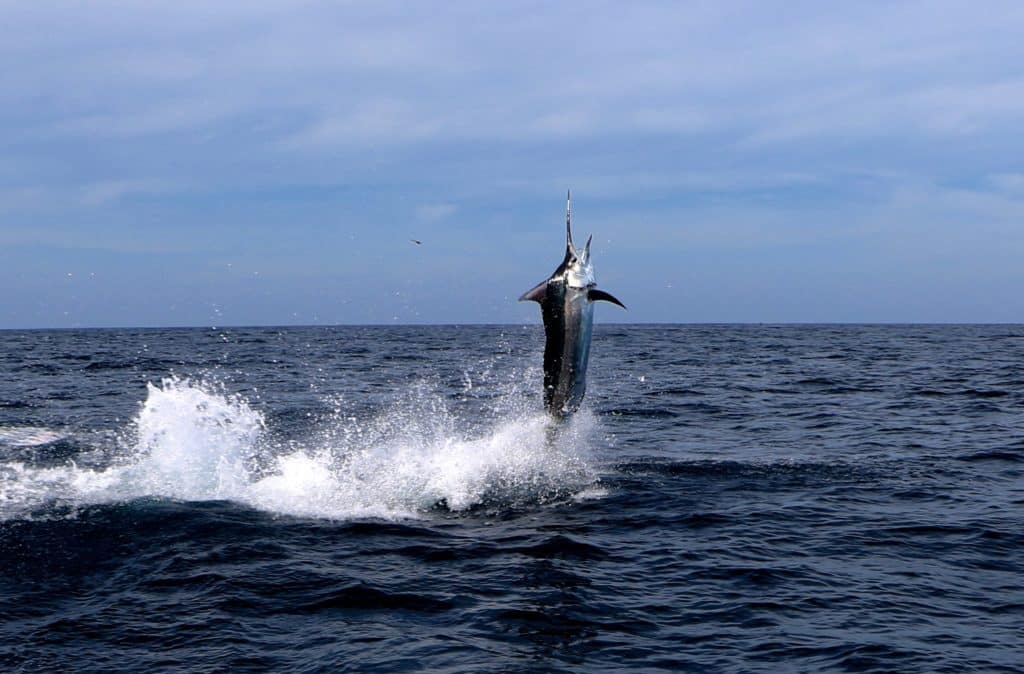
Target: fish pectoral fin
(536, 294)
(595, 295)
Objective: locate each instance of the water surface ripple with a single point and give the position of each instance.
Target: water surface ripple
(731, 499)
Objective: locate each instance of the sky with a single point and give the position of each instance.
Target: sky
(267, 163)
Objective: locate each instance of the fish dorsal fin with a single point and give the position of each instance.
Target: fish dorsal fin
(568, 218)
(570, 247)
(595, 295)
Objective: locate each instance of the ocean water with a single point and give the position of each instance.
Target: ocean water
(730, 499)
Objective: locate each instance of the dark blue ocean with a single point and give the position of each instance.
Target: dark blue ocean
(730, 499)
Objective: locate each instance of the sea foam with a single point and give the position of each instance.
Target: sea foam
(193, 442)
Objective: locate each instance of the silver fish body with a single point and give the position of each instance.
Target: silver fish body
(567, 306)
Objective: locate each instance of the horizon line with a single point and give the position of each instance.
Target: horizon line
(248, 326)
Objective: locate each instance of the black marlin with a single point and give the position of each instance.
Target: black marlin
(567, 306)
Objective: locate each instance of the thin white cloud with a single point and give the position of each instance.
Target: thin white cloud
(1011, 183)
(387, 122)
(435, 212)
(749, 119)
(176, 116)
(107, 192)
(352, 73)
(22, 198)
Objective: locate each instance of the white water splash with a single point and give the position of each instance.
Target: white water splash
(191, 442)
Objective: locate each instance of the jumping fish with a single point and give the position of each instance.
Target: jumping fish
(567, 306)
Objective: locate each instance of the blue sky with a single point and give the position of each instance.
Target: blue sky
(169, 163)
